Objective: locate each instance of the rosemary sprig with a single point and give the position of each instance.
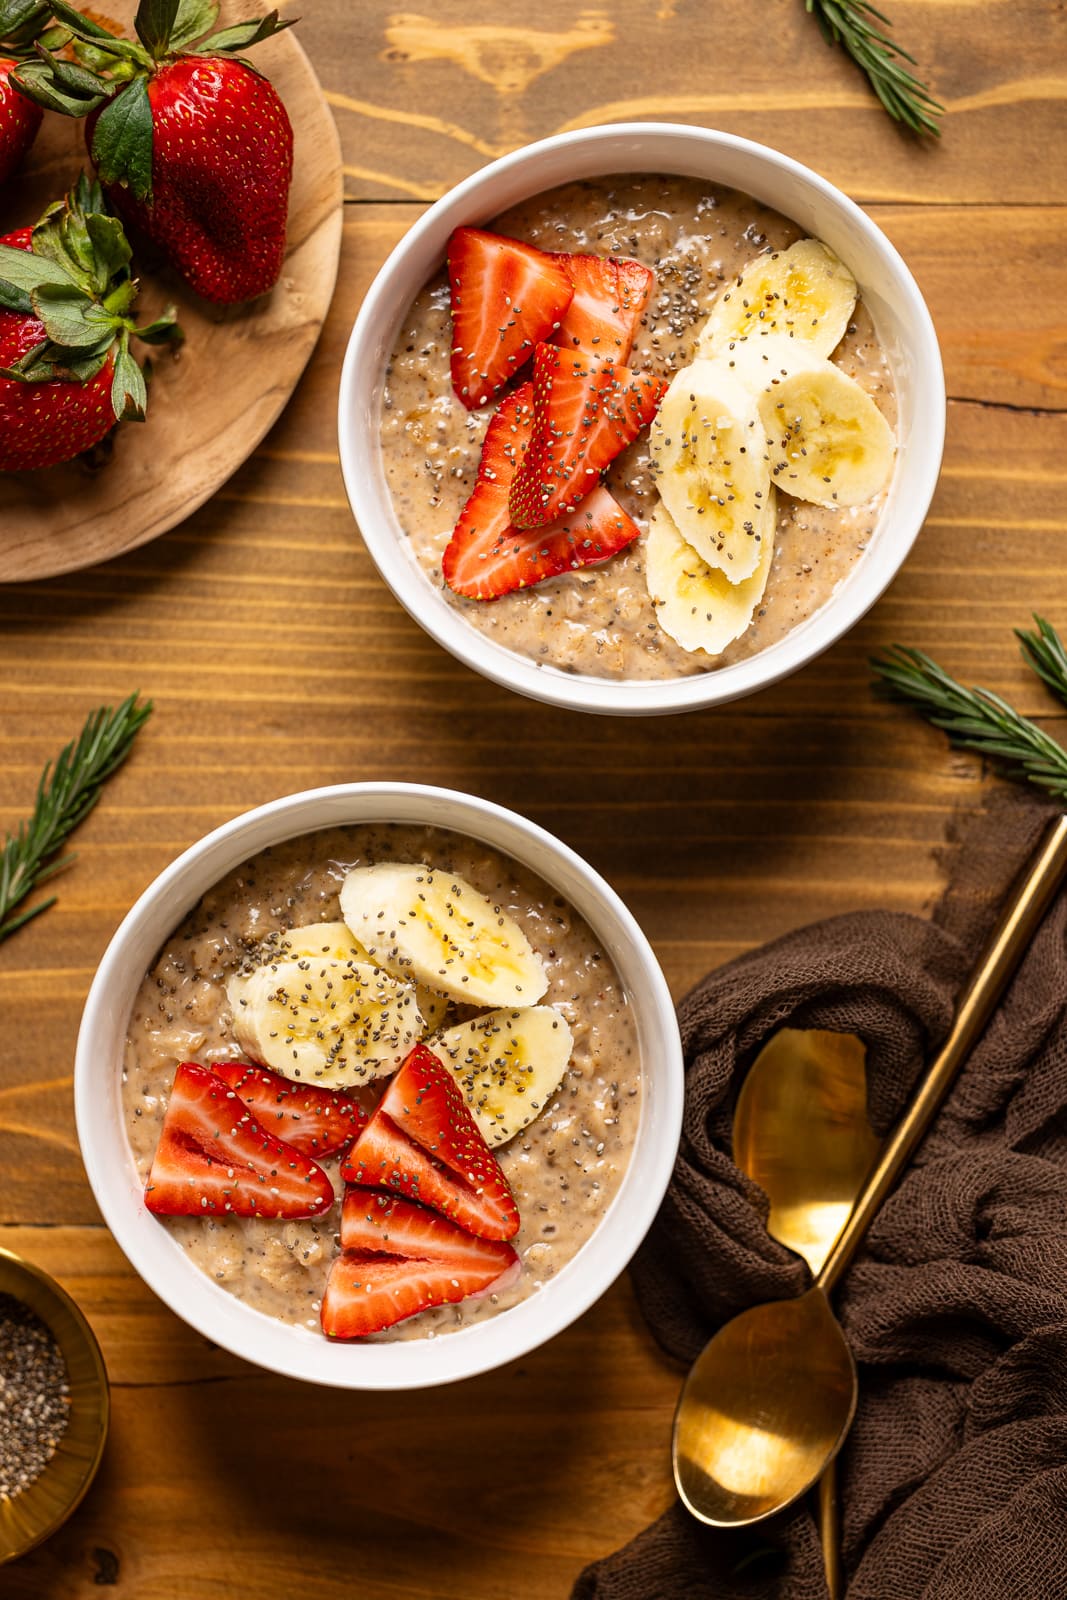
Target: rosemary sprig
(68, 790)
(978, 719)
(854, 25)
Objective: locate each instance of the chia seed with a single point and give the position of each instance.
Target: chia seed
(34, 1396)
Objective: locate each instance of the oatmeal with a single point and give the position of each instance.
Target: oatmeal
(563, 1168)
(696, 237)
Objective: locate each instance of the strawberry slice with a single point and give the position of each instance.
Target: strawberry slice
(383, 1225)
(315, 1121)
(610, 294)
(366, 1294)
(213, 1158)
(422, 1142)
(584, 412)
(488, 556)
(398, 1259)
(506, 296)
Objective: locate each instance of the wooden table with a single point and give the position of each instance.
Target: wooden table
(277, 660)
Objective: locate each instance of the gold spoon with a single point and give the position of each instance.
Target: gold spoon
(801, 1131)
(771, 1397)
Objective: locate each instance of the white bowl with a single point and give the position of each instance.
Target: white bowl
(888, 288)
(298, 1352)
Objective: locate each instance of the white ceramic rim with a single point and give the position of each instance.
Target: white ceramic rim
(626, 147)
(297, 1352)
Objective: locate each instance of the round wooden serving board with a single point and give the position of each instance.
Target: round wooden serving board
(209, 407)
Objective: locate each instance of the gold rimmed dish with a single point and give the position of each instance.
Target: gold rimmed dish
(41, 1508)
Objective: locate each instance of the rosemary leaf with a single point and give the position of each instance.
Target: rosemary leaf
(1044, 652)
(978, 719)
(854, 25)
(68, 790)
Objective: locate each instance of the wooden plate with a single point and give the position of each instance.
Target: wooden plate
(208, 409)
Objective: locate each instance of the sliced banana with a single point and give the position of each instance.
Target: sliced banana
(508, 1064)
(829, 443)
(760, 364)
(696, 604)
(431, 927)
(710, 453)
(336, 939)
(324, 1018)
(804, 293)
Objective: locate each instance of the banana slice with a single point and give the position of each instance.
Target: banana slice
(712, 471)
(432, 928)
(324, 1018)
(804, 293)
(336, 939)
(508, 1064)
(829, 442)
(696, 604)
(760, 364)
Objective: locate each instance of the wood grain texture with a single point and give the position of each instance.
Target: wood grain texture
(209, 407)
(277, 659)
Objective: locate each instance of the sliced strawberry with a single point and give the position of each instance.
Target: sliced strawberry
(585, 412)
(488, 556)
(506, 296)
(422, 1142)
(366, 1294)
(213, 1158)
(610, 293)
(315, 1121)
(382, 1225)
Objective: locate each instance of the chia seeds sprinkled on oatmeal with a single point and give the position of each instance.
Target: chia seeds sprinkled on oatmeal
(600, 620)
(34, 1397)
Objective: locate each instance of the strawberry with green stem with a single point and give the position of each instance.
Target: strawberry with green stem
(191, 142)
(67, 373)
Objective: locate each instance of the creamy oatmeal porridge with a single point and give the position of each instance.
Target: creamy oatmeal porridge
(696, 237)
(563, 1169)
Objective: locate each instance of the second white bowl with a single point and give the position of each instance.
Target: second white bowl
(888, 289)
(298, 1352)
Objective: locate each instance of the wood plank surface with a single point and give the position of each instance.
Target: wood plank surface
(277, 659)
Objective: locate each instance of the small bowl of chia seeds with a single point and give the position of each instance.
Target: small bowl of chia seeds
(54, 1406)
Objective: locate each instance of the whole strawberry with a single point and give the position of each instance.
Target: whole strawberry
(193, 145)
(66, 371)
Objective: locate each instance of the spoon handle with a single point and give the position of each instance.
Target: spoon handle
(1018, 923)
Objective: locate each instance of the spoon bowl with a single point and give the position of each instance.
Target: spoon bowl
(766, 1406)
(801, 1131)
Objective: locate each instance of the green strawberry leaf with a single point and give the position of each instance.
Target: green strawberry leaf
(129, 396)
(82, 28)
(36, 81)
(122, 140)
(49, 363)
(72, 79)
(23, 270)
(163, 330)
(154, 24)
(22, 20)
(242, 35)
(194, 18)
(99, 59)
(77, 24)
(70, 318)
(17, 300)
(111, 247)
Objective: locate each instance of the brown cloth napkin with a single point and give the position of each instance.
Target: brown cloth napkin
(954, 1478)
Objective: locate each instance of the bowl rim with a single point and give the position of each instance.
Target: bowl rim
(360, 457)
(251, 1334)
(91, 1345)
